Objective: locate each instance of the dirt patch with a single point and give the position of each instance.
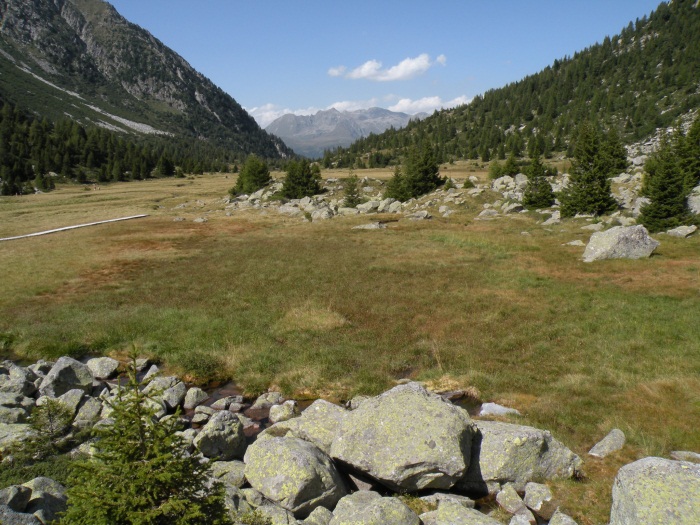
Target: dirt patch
(311, 318)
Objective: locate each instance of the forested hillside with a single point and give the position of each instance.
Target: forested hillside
(642, 79)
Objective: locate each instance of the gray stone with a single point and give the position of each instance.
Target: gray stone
(356, 401)
(277, 515)
(440, 497)
(103, 367)
(159, 384)
(370, 226)
(174, 396)
(232, 473)
(235, 502)
(577, 242)
(407, 439)
(509, 500)
(48, 485)
(523, 518)
(494, 409)
(283, 412)
(200, 418)
(348, 211)
(17, 386)
(66, 375)
(559, 518)
(72, 399)
(293, 473)
(13, 415)
(685, 455)
(450, 513)
(488, 213)
(10, 517)
(152, 372)
(41, 367)
(539, 499)
(682, 231)
(614, 441)
(89, 413)
(368, 207)
(16, 497)
(268, 399)
(656, 490)
(554, 219)
(507, 453)
(620, 242)
(222, 437)
(319, 516)
(10, 434)
(369, 508)
(195, 396)
(46, 506)
(420, 215)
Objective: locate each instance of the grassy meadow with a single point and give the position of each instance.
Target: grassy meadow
(318, 309)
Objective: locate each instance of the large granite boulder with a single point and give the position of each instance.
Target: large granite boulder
(10, 435)
(317, 424)
(293, 473)
(67, 374)
(656, 490)
(506, 453)
(620, 242)
(407, 438)
(369, 508)
(222, 437)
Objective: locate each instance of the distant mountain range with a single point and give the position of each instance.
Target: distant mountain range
(312, 134)
(81, 59)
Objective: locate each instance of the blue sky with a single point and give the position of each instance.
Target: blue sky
(277, 57)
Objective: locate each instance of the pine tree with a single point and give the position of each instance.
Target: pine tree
(300, 181)
(140, 473)
(253, 176)
(396, 187)
(664, 184)
(589, 187)
(352, 191)
(538, 192)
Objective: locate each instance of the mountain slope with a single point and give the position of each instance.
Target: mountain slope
(82, 59)
(311, 135)
(642, 79)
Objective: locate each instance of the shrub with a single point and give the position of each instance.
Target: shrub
(253, 176)
(140, 473)
(352, 192)
(301, 181)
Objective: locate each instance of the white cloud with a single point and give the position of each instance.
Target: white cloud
(426, 104)
(337, 71)
(353, 105)
(404, 70)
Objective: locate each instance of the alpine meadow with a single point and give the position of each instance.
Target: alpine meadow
(488, 315)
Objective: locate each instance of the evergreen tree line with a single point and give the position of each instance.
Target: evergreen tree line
(636, 82)
(31, 148)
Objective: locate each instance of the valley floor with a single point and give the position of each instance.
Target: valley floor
(321, 310)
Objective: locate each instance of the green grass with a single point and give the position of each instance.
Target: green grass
(322, 310)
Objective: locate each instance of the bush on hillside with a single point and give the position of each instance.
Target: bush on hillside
(253, 176)
(419, 175)
(302, 180)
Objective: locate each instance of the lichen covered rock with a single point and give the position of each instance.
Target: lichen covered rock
(407, 439)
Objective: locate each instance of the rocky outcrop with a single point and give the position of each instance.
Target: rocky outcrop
(656, 490)
(620, 242)
(407, 439)
(222, 437)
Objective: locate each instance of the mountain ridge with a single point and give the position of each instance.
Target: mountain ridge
(310, 135)
(86, 48)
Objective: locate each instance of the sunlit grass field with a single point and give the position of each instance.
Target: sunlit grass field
(319, 309)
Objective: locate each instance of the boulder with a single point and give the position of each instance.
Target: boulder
(685, 455)
(72, 400)
(450, 513)
(656, 490)
(16, 497)
(194, 397)
(509, 500)
(174, 396)
(370, 226)
(317, 424)
(369, 508)
(10, 434)
(10, 517)
(293, 473)
(283, 412)
(276, 515)
(438, 498)
(494, 409)
(620, 242)
(559, 518)
(682, 231)
(89, 413)
(539, 499)
(613, 442)
(67, 374)
(231, 473)
(103, 367)
(319, 516)
(222, 437)
(506, 453)
(407, 439)
(268, 399)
